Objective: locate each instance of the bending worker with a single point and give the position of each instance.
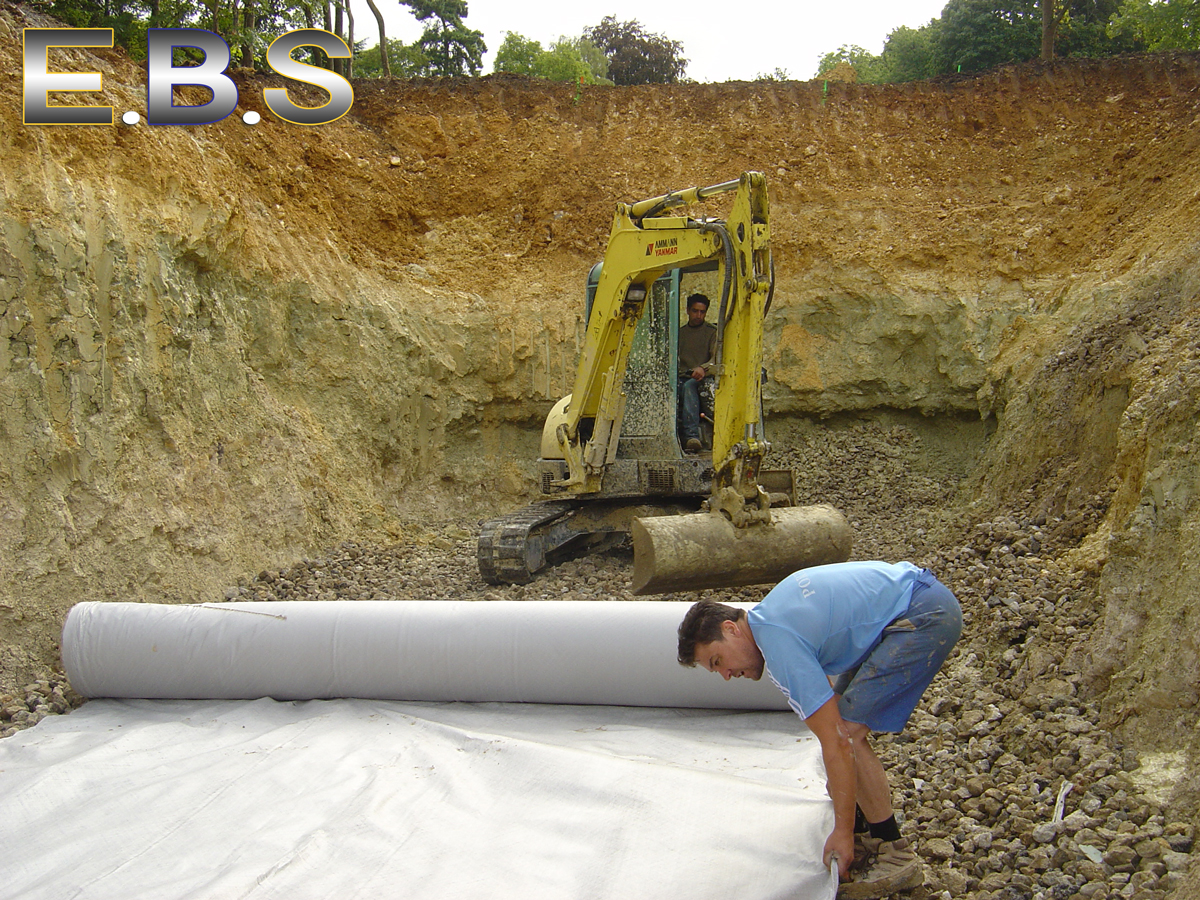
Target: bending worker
(884, 631)
(697, 352)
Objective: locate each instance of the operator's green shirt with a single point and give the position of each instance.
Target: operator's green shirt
(697, 347)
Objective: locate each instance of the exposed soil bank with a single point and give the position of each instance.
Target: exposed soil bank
(225, 348)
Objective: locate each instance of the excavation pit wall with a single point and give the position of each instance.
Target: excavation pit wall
(224, 350)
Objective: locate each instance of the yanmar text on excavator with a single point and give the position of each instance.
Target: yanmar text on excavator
(611, 462)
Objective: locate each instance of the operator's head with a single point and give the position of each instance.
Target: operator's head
(718, 638)
(697, 308)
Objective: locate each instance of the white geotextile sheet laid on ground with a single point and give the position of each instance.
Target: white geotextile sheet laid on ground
(221, 799)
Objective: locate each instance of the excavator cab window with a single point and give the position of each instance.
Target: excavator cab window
(648, 428)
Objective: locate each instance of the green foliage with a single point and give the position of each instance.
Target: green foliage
(593, 56)
(517, 55)
(568, 59)
(1083, 29)
(1165, 25)
(405, 61)
(868, 68)
(562, 62)
(129, 19)
(256, 24)
(981, 34)
(447, 46)
(634, 56)
(451, 47)
(909, 54)
(971, 35)
(779, 74)
(1016, 24)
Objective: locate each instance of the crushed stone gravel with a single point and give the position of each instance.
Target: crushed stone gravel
(1005, 775)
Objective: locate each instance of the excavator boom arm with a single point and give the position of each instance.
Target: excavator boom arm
(642, 246)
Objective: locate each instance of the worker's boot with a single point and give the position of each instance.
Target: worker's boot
(896, 868)
(865, 850)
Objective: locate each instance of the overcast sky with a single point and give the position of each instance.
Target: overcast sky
(722, 41)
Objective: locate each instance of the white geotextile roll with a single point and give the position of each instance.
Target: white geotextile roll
(617, 653)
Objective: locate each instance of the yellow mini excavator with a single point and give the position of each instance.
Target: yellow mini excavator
(611, 462)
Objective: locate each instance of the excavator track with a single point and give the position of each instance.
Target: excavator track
(515, 546)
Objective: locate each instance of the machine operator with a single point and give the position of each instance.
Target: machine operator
(697, 356)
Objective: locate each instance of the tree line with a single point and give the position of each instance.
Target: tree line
(973, 35)
(968, 36)
(446, 46)
(609, 53)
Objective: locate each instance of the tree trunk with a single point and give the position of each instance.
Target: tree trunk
(235, 27)
(1049, 28)
(383, 48)
(349, 63)
(326, 62)
(314, 58)
(339, 65)
(248, 19)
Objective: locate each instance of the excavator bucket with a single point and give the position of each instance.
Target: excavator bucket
(705, 550)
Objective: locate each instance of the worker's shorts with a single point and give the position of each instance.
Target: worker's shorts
(885, 688)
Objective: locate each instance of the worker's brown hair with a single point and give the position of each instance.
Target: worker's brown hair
(697, 298)
(702, 625)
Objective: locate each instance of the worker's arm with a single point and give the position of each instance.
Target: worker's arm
(827, 724)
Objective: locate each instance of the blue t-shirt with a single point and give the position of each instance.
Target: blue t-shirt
(825, 621)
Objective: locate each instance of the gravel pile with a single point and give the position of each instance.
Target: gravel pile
(51, 696)
(1006, 778)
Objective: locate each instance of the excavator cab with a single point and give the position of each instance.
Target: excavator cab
(648, 458)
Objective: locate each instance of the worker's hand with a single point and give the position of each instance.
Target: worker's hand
(698, 373)
(842, 846)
